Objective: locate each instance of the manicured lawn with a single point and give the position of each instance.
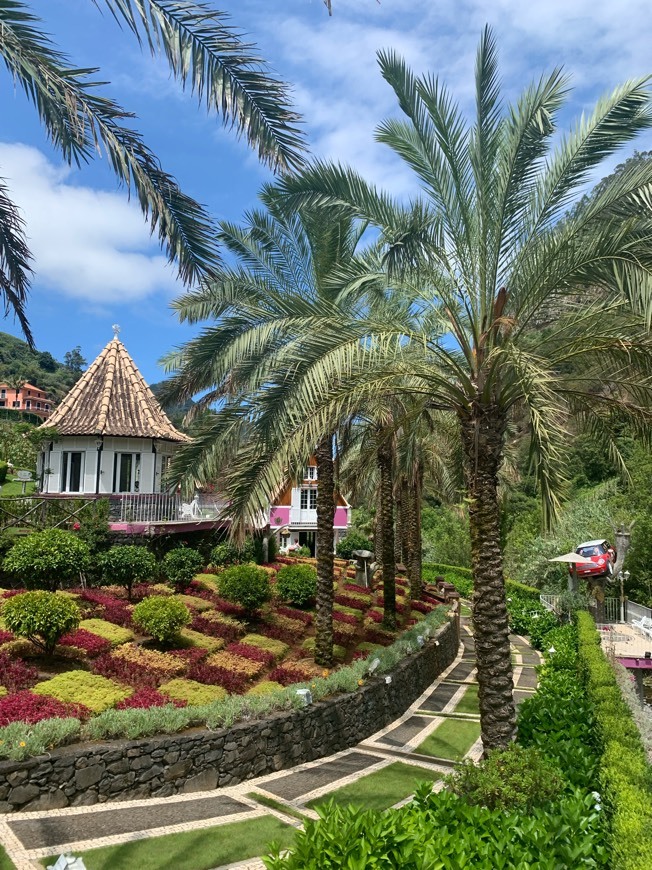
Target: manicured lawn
(11, 488)
(452, 739)
(5, 863)
(279, 806)
(381, 789)
(469, 701)
(193, 850)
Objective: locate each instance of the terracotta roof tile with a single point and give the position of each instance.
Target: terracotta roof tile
(112, 398)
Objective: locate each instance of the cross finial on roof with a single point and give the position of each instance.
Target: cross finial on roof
(116, 330)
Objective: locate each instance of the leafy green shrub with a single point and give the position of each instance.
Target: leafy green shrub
(3, 472)
(246, 585)
(181, 565)
(352, 541)
(127, 565)
(514, 778)
(42, 617)
(95, 692)
(297, 584)
(625, 781)
(161, 617)
(192, 691)
(302, 552)
(114, 633)
(47, 559)
(19, 741)
(230, 553)
(441, 830)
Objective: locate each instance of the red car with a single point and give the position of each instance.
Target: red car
(602, 556)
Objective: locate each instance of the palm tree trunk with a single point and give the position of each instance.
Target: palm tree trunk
(406, 518)
(398, 526)
(378, 534)
(325, 547)
(482, 438)
(384, 460)
(415, 537)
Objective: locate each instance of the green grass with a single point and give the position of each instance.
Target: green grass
(452, 739)
(192, 850)
(273, 804)
(380, 790)
(5, 863)
(465, 610)
(13, 488)
(468, 703)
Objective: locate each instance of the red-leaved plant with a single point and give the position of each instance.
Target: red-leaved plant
(15, 674)
(28, 707)
(144, 698)
(92, 644)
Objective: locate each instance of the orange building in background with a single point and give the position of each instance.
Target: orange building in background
(28, 398)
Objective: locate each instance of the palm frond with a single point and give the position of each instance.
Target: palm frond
(80, 121)
(208, 56)
(14, 261)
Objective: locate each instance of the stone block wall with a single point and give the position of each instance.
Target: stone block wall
(86, 774)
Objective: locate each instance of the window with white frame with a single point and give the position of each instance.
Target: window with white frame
(311, 472)
(126, 472)
(308, 499)
(72, 470)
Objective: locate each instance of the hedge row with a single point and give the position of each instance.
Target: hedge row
(462, 579)
(625, 776)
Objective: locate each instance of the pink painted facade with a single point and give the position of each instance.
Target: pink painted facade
(293, 519)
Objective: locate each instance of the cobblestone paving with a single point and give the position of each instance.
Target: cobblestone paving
(31, 836)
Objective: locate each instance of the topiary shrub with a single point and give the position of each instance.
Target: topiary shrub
(512, 778)
(353, 541)
(161, 617)
(127, 565)
(246, 585)
(230, 553)
(3, 472)
(181, 565)
(42, 617)
(297, 584)
(47, 559)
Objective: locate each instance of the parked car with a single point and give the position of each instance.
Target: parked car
(602, 555)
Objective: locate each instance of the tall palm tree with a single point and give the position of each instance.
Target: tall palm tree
(207, 56)
(495, 249)
(286, 264)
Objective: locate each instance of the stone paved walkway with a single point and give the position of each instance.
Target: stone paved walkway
(28, 837)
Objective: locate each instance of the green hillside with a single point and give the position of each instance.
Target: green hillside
(19, 364)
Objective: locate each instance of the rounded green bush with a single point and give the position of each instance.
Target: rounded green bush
(353, 541)
(47, 559)
(42, 617)
(512, 778)
(126, 565)
(297, 584)
(246, 585)
(229, 553)
(181, 565)
(162, 617)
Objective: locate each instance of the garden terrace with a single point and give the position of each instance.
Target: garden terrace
(118, 675)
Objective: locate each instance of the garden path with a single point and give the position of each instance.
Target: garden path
(439, 729)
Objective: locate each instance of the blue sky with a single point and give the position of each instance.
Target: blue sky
(95, 264)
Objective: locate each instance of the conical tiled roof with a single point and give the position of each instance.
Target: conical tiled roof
(112, 398)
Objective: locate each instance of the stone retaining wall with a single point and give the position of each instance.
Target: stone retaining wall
(85, 774)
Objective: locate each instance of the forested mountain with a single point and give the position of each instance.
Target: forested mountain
(19, 364)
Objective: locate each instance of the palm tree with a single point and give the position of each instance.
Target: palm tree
(287, 263)
(488, 252)
(207, 56)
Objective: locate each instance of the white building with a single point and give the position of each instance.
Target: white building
(114, 437)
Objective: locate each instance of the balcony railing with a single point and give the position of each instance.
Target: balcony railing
(163, 507)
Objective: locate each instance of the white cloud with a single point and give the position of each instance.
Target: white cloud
(86, 243)
(342, 95)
